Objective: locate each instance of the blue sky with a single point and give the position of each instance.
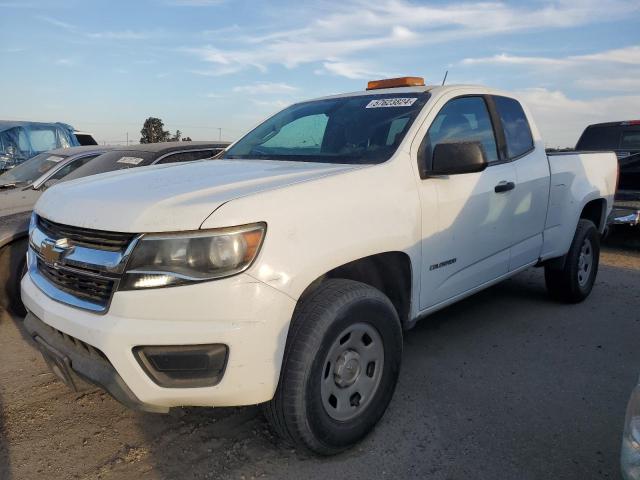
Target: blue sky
(200, 65)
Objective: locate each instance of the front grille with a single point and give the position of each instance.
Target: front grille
(94, 289)
(98, 239)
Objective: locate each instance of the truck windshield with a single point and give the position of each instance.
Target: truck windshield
(358, 129)
(29, 171)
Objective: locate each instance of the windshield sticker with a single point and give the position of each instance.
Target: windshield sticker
(131, 160)
(54, 159)
(391, 102)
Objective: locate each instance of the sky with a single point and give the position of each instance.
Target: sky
(214, 68)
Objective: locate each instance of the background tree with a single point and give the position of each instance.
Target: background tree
(176, 137)
(186, 139)
(153, 131)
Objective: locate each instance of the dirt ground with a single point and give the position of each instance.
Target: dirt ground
(504, 385)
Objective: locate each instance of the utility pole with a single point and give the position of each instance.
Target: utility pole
(219, 134)
(127, 139)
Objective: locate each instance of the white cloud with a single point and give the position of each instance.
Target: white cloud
(628, 55)
(339, 31)
(65, 62)
(272, 105)
(265, 88)
(352, 70)
(57, 23)
(194, 3)
(561, 118)
(121, 35)
(587, 72)
(216, 72)
(506, 59)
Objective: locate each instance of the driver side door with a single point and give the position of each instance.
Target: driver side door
(466, 224)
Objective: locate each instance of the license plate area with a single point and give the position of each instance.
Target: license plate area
(59, 363)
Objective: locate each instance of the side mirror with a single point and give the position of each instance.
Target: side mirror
(458, 157)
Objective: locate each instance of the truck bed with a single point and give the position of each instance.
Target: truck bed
(573, 172)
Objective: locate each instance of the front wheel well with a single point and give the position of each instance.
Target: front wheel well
(389, 272)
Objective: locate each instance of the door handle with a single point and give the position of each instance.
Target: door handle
(504, 187)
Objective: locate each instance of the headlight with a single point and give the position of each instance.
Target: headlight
(176, 259)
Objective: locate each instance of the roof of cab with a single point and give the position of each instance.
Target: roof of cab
(433, 89)
(69, 151)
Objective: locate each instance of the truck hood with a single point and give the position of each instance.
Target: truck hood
(167, 198)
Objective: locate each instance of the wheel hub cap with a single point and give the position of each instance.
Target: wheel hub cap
(585, 262)
(347, 368)
(352, 371)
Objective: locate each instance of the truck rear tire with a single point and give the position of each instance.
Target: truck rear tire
(12, 269)
(340, 367)
(573, 282)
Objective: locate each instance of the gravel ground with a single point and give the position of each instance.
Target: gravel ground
(504, 385)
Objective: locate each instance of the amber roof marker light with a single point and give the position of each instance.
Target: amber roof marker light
(396, 82)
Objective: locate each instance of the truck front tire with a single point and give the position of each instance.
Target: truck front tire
(340, 367)
(572, 283)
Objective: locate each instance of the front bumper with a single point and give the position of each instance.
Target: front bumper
(248, 316)
(83, 363)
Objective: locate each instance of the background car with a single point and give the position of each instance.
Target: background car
(85, 138)
(630, 453)
(624, 139)
(21, 186)
(19, 141)
(18, 199)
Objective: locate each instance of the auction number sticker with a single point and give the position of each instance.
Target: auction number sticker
(55, 159)
(391, 102)
(131, 160)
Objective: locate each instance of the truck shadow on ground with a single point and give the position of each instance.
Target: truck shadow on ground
(471, 373)
(506, 374)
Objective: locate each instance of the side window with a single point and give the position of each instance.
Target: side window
(71, 166)
(515, 125)
(188, 156)
(464, 119)
(43, 139)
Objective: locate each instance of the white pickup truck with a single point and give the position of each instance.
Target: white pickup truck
(285, 272)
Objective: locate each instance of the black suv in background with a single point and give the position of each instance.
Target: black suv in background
(624, 139)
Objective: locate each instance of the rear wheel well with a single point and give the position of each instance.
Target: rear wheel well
(389, 272)
(594, 211)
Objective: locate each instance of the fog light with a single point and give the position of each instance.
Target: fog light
(183, 366)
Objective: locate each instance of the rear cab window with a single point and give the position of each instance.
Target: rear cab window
(605, 137)
(630, 140)
(517, 132)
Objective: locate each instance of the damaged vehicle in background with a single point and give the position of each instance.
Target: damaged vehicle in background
(19, 141)
(21, 187)
(623, 138)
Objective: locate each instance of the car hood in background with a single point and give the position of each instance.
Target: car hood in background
(169, 197)
(16, 200)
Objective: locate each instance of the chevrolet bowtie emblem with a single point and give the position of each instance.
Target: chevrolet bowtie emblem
(54, 251)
